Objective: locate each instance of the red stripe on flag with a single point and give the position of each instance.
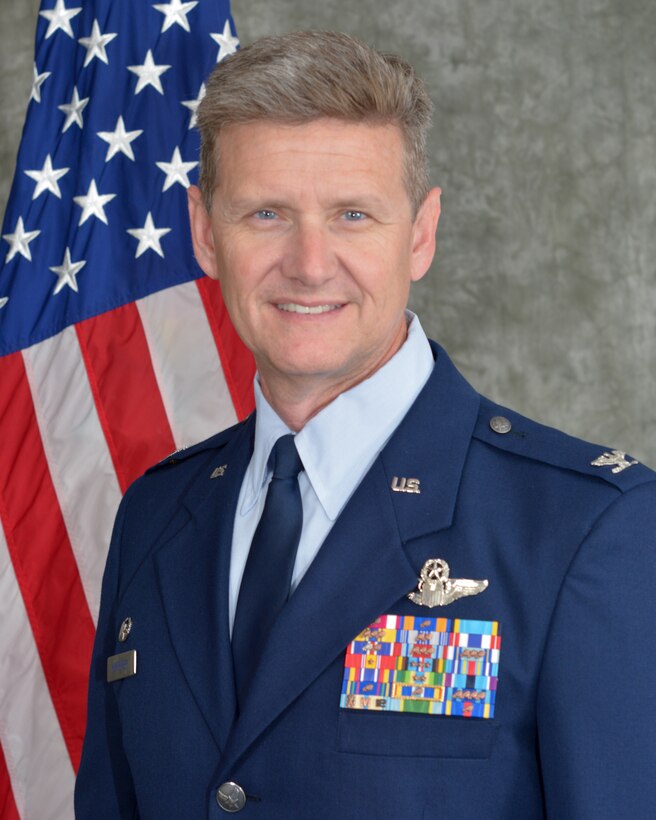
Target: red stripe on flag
(8, 810)
(236, 360)
(42, 557)
(125, 390)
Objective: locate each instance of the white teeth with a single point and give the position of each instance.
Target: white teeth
(292, 307)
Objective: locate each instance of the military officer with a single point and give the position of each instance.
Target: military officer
(381, 595)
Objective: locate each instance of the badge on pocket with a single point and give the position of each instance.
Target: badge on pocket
(435, 666)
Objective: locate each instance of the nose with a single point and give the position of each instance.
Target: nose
(310, 258)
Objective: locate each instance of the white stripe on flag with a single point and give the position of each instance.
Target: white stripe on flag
(40, 769)
(186, 363)
(78, 457)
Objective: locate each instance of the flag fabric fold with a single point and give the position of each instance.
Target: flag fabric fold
(114, 350)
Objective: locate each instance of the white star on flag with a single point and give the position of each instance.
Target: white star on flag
(73, 111)
(46, 179)
(59, 17)
(39, 80)
(175, 12)
(148, 237)
(226, 42)
(176, 170)
(93, 204)
(95, 44)
(67, 272)
(192, 105)
(119, 140)
(3, 301)
(148, 74)
(19, 241)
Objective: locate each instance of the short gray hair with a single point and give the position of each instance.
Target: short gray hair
(300, 77)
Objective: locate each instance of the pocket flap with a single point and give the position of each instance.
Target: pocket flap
(408, 735)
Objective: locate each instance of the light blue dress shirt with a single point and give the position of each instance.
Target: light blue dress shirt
(337, 447)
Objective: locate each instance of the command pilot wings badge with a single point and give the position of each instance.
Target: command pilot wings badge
(437, 589)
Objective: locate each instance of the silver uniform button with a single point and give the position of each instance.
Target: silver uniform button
(125, 629)
(231, 797)
(500, 424)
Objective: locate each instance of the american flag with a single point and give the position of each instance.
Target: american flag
(115, 350)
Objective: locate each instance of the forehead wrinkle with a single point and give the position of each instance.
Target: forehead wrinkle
(291, 165)
(292, 193)
(336, 139)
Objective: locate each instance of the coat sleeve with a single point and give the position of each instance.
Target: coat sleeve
(596, 702)
(104, 788)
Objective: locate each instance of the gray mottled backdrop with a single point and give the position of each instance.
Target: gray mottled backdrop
(544, 285)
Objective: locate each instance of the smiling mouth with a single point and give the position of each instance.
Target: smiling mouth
(292, 307)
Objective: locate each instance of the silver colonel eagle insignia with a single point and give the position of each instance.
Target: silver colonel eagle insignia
(437, 589)
(616, 459)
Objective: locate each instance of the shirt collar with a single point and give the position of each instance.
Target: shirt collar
(339, 444)
(268, 429)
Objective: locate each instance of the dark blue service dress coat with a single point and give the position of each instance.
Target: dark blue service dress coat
(568, 549)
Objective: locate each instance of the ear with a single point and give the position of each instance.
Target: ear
(423, 234)
(201, 232)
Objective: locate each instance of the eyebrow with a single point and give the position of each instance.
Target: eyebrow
(360, 201)
(252, 204)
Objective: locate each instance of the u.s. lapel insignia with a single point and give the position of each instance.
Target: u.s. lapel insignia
(405, 485)
(219, 471)
(435, 588)
(615, 459)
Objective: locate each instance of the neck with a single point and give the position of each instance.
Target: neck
(298, 399)
(296, 406)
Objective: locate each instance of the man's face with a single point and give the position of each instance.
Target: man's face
(312, 238)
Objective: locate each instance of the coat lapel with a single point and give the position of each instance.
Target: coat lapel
(431, 444)
(193, 570)
(362, 568)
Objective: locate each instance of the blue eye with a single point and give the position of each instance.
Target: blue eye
(354, 216)
(265, 214)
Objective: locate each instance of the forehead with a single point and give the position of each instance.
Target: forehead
(326, 151)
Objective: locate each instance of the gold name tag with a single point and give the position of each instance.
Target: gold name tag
(121, 666)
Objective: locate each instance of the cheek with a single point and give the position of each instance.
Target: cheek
(387, 285)
(247, 261)
(381, 264)
(234, 268)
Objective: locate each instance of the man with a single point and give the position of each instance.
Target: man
(435, 608)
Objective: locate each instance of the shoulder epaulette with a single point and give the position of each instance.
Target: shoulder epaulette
(510, 431)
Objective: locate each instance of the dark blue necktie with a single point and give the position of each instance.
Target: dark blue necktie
(267, 576)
